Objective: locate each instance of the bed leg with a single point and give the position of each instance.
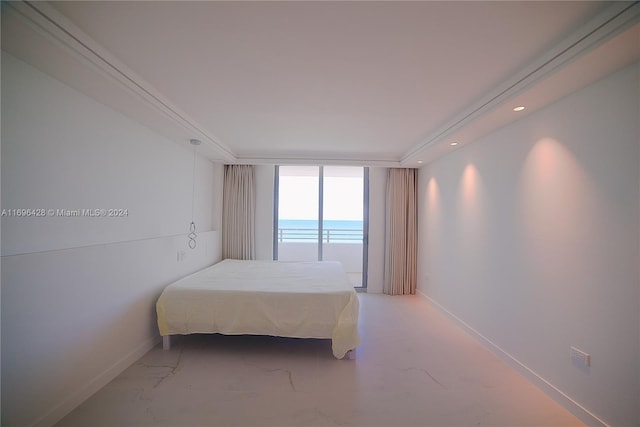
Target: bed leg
(351, 354)
(166, 342)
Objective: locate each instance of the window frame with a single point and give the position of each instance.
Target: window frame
(365, 217)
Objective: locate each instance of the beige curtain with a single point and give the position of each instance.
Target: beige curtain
(238, 212)
(401, 245)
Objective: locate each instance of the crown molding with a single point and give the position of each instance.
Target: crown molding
(610, 22)
(51, 24)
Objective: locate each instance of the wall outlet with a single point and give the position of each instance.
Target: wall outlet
(181, 255)
(580, 358)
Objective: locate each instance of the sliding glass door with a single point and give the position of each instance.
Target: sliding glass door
(298, 224)
(321, 214)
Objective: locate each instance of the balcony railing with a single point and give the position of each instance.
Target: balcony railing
(329, 235)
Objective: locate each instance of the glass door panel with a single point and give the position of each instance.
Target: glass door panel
(342, 218)
(298, 212)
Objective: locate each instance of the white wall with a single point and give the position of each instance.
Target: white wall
(78, 293)
(530, 236)
(377, 188)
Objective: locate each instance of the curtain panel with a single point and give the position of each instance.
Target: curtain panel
(401, 237)
(238, 212)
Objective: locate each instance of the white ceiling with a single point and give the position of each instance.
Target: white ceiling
(387, 83)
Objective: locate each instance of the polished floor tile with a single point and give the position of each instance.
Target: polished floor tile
(414, 368)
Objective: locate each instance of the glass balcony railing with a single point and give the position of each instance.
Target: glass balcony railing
(329, 235)
(344, 245)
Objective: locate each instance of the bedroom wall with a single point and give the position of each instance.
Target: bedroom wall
(78, 293)
(377, 188)
(530, 237)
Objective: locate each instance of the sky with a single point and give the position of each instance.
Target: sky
(298, 197)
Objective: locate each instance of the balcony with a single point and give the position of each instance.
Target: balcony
(344, 245)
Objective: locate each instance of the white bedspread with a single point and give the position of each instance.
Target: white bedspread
(289, 299)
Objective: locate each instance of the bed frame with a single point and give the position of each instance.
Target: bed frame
(166, 345)
(286, 299)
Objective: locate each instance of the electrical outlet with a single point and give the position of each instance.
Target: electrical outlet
(580, 358)
(181, 255)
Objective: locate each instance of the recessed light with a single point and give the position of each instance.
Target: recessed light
(419, 162)
(520, 108)
(453, 144)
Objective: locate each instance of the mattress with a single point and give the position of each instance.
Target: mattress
(287, 299)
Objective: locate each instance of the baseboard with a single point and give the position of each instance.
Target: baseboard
(59, 411)
(548, 388)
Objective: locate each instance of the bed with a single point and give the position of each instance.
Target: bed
(285, 299)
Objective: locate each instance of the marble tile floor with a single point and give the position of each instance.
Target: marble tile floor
(414, 368)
